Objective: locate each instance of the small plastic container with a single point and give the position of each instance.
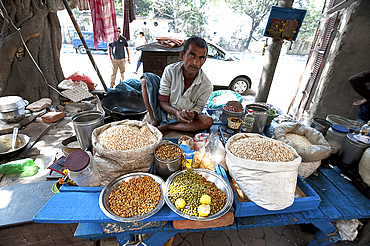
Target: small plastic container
(335, 136)
(82, 169)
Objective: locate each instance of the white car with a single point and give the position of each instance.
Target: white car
(224, 69)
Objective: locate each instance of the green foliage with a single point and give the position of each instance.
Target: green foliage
(118, 5)
(311, 20)
(188, 15)
(257, 10)
(143, 7)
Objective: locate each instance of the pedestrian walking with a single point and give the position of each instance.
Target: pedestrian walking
(117, 55)
(141, 41)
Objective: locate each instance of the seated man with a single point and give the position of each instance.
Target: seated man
(175, 101)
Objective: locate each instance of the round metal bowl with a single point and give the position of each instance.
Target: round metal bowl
(10, 103)
(209, 175)
(6, 145)
(103, 198)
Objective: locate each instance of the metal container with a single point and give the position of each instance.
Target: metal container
(84, 123)
(227, 114)
(339, 120)
(12, 108)
(6, 145)
(321, 125)
(260, 117)
(352, 150)
(209, 175)
(165, 168)
(104, 194)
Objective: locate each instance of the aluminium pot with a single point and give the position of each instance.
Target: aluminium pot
(12, 108)
(352, 150)
(164, 168)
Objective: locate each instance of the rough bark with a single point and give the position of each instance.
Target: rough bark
(40, 29)
(273, 53)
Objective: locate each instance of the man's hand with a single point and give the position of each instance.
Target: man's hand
(185, 116)
(360, 102)
(128, 59)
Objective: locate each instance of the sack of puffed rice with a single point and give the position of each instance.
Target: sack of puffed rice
(265, 169)
(309, 143)
(124, 146)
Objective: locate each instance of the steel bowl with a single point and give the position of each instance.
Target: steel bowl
(6, 145)
(209, 175)
(103, 198)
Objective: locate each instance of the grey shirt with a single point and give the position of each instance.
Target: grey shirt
(194, 98)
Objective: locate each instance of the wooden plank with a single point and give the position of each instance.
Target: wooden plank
(332, 200)
(353, 194)
(35, 131)
(89, 230)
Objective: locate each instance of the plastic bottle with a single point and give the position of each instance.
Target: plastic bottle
(365, 129)
(248, 122)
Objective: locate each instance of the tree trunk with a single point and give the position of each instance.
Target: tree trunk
(273, 53)
(41, 32)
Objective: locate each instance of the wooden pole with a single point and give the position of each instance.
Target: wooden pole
(273, 53)
(66, 4)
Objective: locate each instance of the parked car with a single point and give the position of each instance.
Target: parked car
(226, 70)
(89, 39)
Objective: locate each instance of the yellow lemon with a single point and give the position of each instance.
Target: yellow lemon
(180, 203)
(205, 199)
(204, 210)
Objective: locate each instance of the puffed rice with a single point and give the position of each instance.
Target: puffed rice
(261, 149)
(125, 137)
(302, 141)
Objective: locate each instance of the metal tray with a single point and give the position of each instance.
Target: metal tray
(104, 194)
(219, 181)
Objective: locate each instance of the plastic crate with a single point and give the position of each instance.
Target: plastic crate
(245, 209)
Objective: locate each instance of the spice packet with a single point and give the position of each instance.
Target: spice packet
(188, 155)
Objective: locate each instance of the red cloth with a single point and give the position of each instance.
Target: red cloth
(128, 17)
(103, 15)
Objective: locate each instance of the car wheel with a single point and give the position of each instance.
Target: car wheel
(240, 85)
(82, 49)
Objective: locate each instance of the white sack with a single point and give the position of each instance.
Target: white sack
(271, 185)
(320, 148)
(347, 229)
(114, 163)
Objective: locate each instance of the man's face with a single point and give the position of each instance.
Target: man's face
(118, 33)
(193, 59)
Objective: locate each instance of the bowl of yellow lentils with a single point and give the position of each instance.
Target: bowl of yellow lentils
(132, 197)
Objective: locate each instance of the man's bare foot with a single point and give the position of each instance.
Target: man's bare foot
(163, 128)
(154, 123)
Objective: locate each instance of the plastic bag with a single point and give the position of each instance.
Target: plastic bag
(218, 99)
(320, 148)
(347, 229)
(215, 149)
(78, 76)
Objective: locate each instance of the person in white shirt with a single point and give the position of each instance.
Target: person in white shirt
(175, 101)
(141, 41)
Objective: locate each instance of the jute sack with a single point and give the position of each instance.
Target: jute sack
(114, 163)
(271, 185)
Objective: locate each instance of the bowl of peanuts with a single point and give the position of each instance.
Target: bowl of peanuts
(132, 197)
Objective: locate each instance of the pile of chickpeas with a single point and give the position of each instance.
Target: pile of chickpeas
(136, 197)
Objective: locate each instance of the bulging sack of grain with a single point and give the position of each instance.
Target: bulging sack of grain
(309, 143)
(124, 146)
(265, 169)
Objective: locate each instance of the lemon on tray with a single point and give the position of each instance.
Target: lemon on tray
(205, 199)
(180, 203)
(204, 210)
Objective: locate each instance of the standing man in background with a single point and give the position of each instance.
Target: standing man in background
(117, 55)
(141, 41)
(359, 84)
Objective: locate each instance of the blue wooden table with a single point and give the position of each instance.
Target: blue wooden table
(340, 200)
